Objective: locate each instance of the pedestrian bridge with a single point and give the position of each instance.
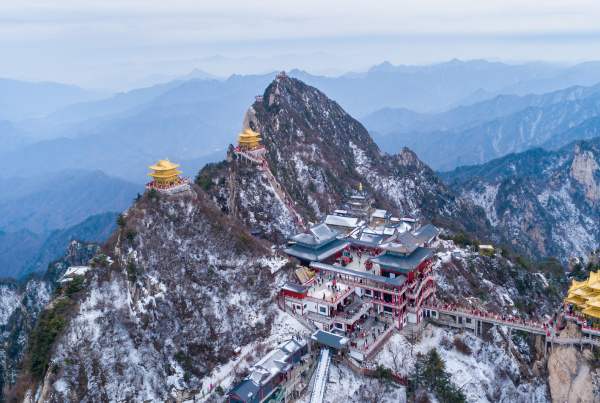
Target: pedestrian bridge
(464, 318)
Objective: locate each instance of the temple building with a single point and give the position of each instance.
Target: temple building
(248, 139)
(165, 173)
(361, 204)
(317, 244)
(584, 299)
(275, 376)
(166, 180)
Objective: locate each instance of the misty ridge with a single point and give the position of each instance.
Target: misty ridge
(86, 152)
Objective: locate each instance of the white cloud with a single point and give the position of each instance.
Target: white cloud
(72, 33)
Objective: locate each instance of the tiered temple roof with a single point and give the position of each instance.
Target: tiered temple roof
(164, 169)
(407, 262)
(249, 139)
(585, 296)
(317, 243)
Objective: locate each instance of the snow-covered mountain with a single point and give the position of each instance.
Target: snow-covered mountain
(543, 202)
(319, 155)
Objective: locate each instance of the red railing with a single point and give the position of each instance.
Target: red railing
(489, 317)
(182, 181)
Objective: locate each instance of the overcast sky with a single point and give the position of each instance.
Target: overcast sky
(72, 40)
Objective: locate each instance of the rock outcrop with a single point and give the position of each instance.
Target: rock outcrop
(569, 374)
(544, 203)
(320, 154)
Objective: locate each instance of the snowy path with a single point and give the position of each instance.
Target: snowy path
(318, 391)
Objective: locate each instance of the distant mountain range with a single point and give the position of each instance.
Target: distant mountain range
(477, 133)
(63, 200)
(43, 213)
(541, 200)
(21, 99)
(23, 252)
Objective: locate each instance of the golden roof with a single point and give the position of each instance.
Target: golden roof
(592, 311)
(248, 133)
(165, 174)
(594, 302)
(594, 281)
(575, 285)
(575, 299)
(164, 165)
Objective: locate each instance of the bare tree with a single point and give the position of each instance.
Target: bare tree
(372, 391)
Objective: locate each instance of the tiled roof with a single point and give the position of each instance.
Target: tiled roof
(409, 262)
(330, 339)
(391, 282)
(319, 254)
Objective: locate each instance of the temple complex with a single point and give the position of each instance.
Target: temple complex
(362, 269)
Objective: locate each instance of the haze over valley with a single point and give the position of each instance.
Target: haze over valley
(310, 202)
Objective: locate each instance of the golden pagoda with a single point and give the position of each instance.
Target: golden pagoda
(585, 298)
(248, 139)
(164, 173)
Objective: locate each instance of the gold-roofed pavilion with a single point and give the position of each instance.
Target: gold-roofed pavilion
(584, 296)
(248, 139)
(165, 173)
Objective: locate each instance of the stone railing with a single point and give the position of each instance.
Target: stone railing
(373, 347)
(329, 301)
(339, 318)
(590, 330)
(371, 286)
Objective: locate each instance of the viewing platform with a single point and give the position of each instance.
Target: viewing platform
(182, 186)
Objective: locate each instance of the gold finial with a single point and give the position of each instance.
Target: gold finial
(315, 222)
(360, 187)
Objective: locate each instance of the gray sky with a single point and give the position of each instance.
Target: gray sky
(80, 41)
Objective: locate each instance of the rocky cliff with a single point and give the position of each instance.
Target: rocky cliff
(21, 304)
(319, 154)
(545, 203)
(180, 285)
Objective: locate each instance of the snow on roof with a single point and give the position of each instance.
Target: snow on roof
(486, 247)
(389, 231)
(340, 212)
(71, 272)
(317, 235)
(402, 227)
(330, 339)
(300, 289)
(409, 262)
(321, 253)
(382, 214)
(379, 213)
(350, 222)
(368, 237)
(245, 389)
(429, 231)
(409, 239)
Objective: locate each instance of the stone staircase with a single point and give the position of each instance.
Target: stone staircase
(304, 274)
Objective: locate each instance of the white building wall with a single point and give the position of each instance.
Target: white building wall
(412, 318)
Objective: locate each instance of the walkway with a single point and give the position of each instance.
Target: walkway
(318, 392)
(468, 318)
(287, 202)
